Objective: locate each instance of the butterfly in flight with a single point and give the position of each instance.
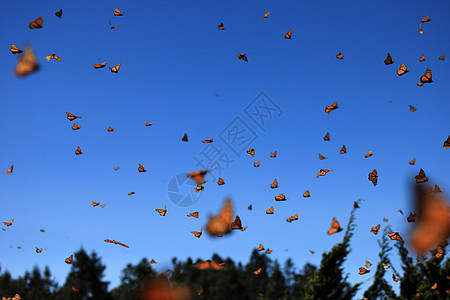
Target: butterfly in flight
(343, 150)
(162, 212)
(256, 164)
(321, 157)
(184, 138)
(323, 172)
(340, 56)
(363, 271)
(78, 151)
(426, 19)
(8, 223)
(388, 60)
(221, 181)
(251, 151)
(292, 218)
(395, 236)
(149, 124)
(198, 176)
(10, 170)
(266, 15)
(99, 66)
(221, 27)
(236, 224)
(72, 117)
(53, 56)
(194, 214)
(27, 63)
(402, 70)
(76, 127)
(273, 154)
(331, 107)
(421, 177)
(306, 194)
(426, 78)
(369, 154)
(197, 234)
(59, 13)
(116, 68)
(117, 12)
(270, 211)
(335, 227)
(280, 197)
(69, 260)
(373, 176)
(447, 143)
(112, 27)
(221, 224)
(110, 129)
(274, 185)
(116, 243)
(242, 56)
(141, 169)
(442, 57)
(326, 137)
(36, 23)
(422, 58)
(207, 141)
(412, 162)
(375, 229)
(15, 50)
(288, 35)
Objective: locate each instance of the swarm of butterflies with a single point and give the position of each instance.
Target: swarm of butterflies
(431, 219)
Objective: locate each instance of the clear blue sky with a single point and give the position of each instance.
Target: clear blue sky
(174, 61)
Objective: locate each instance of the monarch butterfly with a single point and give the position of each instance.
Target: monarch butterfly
(78, 151)
(395, 278)
(184, 138)
(270, 211)
(312, 252)
(222, 223)
(266, 15)
(321, 157)
(280, 197)
(373, 176)
(8, 223)
(130, 193)
(162, 212)
(27, 63)
(434, 286)
(71, 117)
(395, 236)
(426, 78)
(288, 35)
(292, 218)
(422, 58)
(54, 56)
(340, 56)
(42, 230)
(99, 66)
(69, 259)
(75, 289)
(273, 154)
(442, 57)
(38, 250)
(95, 203)
(149, 124)
(221, 181)
(375, 229)
(15, 50)
(412, 108)
(251, 152)
(242, 56)
(369, 154)
(447, 143)
(426, 19)
(326, 137)
(439, 252)
(10, 170)
(221, 27)
(116, 168)
(199, 188)
(207, 141)
(112, 27)
(59, 13)
(323, 172)
(256, 164)
(421, 177)
(343, 150)
(153, 261)
(388, 60)
(335, 227)
(386, 266)
(257, 272)
(306, 194)
(116, 68)
(368, 264)
(355, 204)
(36, 23)
(385, 220)
(117, 13)
(141, 169)
(363, 271)
(261, 247)
(207, 264)
(197, 234)
(268, 251)
(331, 107)
(236, 224)
(274, 185)
(437, 190)
(116, 243)
(402, 70)
(420, 29)
(194, 214)
(411, 218)
(103, 205)
(400, 211)
(198, 176)
(76, 127)
(250, 207)
(110, 128)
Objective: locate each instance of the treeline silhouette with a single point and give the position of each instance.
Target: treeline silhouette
(422, 277)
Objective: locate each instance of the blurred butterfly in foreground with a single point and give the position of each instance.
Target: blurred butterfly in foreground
(27, 63)
(221, 27)
(242, 56)
(99, 66)
(208, 264)
(426, 78)
(162, 212)
(373, 176)
(59, 13)
(53, 56)
(116, 243)
(117, 13)
(72, 117)
(402, 70)
(340, 56)
(335, 227)
(331, 107)
(141, 169)
(421, 177)
(198, 176)
(266, 15)
(10, 170)
(288, 35)
(388, 60)
(15, 50)
(116, 68)
(69, 260)
(36, 23)
(222, 223)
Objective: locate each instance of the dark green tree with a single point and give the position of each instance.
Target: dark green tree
(277, 288)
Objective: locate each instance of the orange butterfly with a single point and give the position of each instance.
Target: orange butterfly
(256, 165)
(388, 60)
(395, 236)
(76, 127)
(373, 176)
(194, 214)
(222, 223)
(426, 78)
(59, 13)
(335, 227)
(439, 252)
(402, 70)
(251, 152)
(385, 220)
(10, 170)
(280, 197)
(78, 151)
(421, 177)
(411, 218)
(321, 157)
(15, 50)
(273, 154)
(110, 128)
(243, 229)
(221, 181)
(75, 289)
(447, 143)
(221, 27)
(207, 141)
(323, 172)
(368, 264)
(103, 205)
(130, 193)
(375, 229)
(72, 117)
(95, 203)
(8, 223)
(54, 56)
(38, 250)
(306, 194)
(257, 272)
(412, 108)
(27, 63)
(236, 224)
(199, 188)
(288, 35)
(116, 68)
(116, 168)
(326, 137)
(197, 234)
(442, 57)
(412, 162)
(395, 279)
(268, 251)
(198, 176)
(153, 261)
(434, 286)
(437, 189)
(42, 230)
(292, 218)
(340, 56)
(112, 27)
(36, 23)
(116, 243)
(312, 252)
(420, 29)
(426, 19)
(270, 211)
(141, 169)
(261, 247)
(266, 15)
(343, 150)
(369, 154)
(117, 13)
(184, 138)
(422, 58)
(331, 107)
(149, 124)
(69, 260)
(250, 207)
(162, 212)
(274, 185)
(99, 66)
(242, 56)
(363, 271)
